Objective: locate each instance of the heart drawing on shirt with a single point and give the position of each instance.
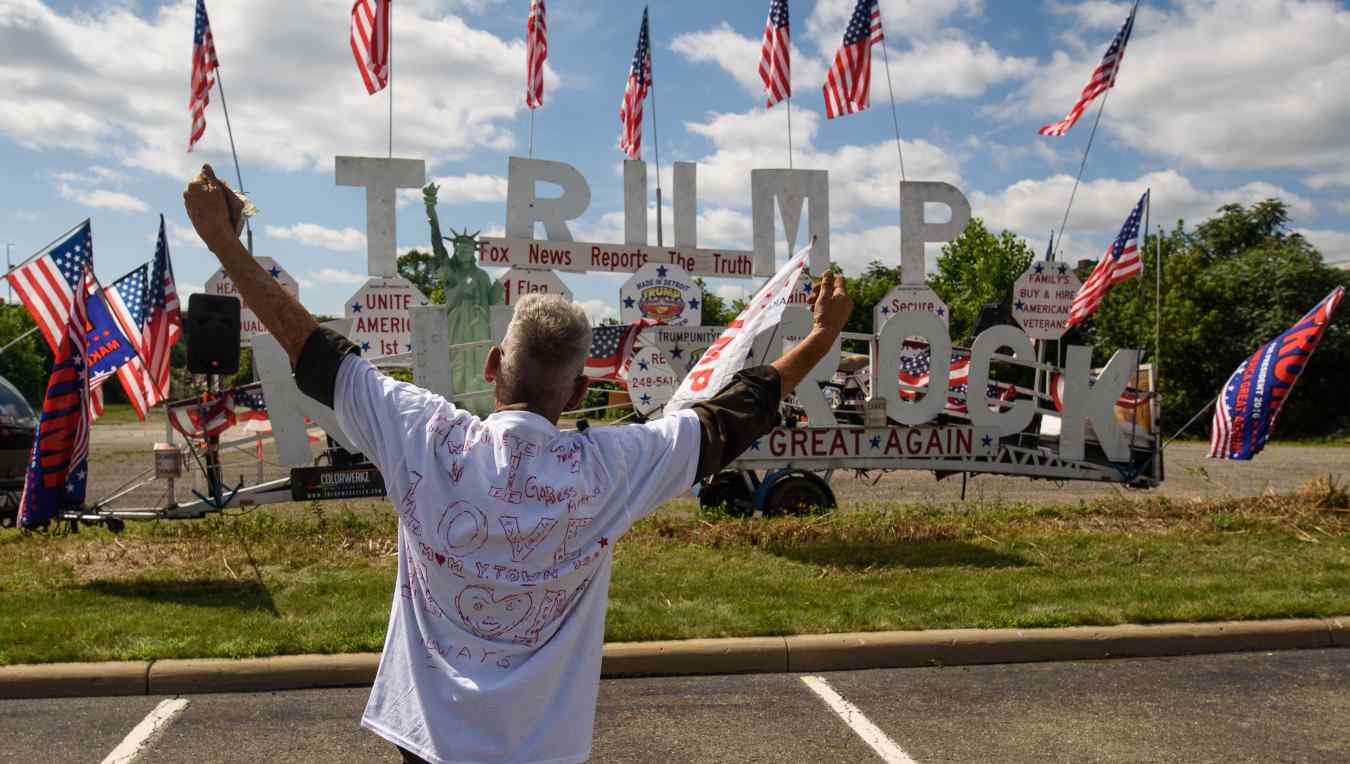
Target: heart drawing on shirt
(440, 559)
(489, 617)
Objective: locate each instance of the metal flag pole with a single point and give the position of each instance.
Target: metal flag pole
(895, 116)
(238, 174)
(390, 53)
(1063, 225)
(531, 131)
(789, 115)
(656, 142)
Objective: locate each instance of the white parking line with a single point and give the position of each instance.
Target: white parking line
(143, 734)
(869, 732)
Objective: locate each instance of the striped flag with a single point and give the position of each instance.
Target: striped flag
(163, 324)
(611, 348)
(203, 63)
(1103, 79)
(849, 85)
(370, 42)
(775, 62)
(49, 281)
(635, 92)
(536, 53)
(1251, 400)
(1119, 263)
(126, 299)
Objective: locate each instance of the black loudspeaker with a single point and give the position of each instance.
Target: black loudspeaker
(212, 334)
(992, 314)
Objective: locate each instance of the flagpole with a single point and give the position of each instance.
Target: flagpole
(789, 115)
(1081, 165)
(390, 43)
(895, 117)
(238, 174)
(656, 142)
(531, 131)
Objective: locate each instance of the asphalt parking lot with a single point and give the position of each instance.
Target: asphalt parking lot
(1258, 707)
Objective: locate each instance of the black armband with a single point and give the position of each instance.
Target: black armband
(320, 359)
(740, 414)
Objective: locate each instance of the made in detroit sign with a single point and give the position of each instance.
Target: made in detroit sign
(1042, 298)
(663, 293)
(381, 316)
(221, 284)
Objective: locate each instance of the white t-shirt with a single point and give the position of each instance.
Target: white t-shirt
(506, 538)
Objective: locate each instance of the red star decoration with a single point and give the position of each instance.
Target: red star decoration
(604, 542)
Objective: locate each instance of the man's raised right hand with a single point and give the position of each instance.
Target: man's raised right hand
(213, 209)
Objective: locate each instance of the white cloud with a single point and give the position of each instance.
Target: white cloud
(1342, 206)
(732, 292)
(860, 176)
(899, 18)
(737, 55)
(187, 288)
(182, 235)
(946, 64)
(598, 310)
(314, 235)
(460, 189)
(329, 276)
(102, 199)
(1329, 179)
(1334, 245)
(1234, 84)
(111, 82)
(1034, 207)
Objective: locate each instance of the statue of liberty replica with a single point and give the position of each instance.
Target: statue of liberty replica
(468, 293)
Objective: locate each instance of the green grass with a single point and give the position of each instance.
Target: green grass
(299, 580)
(123, 413)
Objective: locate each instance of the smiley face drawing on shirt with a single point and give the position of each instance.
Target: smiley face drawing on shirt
(488, 616)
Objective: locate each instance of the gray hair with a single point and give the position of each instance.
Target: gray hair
(545, 347)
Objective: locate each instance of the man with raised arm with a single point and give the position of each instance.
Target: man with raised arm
(507, 525)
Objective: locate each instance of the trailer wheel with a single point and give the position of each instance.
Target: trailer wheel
(800, 493)
(728, 491)
(9, 509)
(115, 525)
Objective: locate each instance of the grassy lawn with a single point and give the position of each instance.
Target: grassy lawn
(123, 413)
(297, 580)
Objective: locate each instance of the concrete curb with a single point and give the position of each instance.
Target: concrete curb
(798, 654)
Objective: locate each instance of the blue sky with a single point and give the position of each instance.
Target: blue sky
(1212, 106)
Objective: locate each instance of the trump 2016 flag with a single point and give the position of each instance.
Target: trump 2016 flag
(1250, 402)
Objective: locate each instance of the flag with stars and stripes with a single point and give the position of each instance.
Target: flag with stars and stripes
(914, 379)
(204, 62)
(48, 282)
(212, 415)
(1103, 79)
(58, 462)
(536, 53)
(635, 92)
(163, 323)
(848, 87)
(612, 347)
(1120, 263)
(126, 299)
(775, 62)
(370, 39)
(1250, 403)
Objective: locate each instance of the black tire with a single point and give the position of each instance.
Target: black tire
(799, 494)
(9, 509)
(115, 525)
(728, 491)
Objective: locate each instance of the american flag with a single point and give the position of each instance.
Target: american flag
(126, 299)
(1103, 79)
(57, 464)
(775, 62)
(370, 42)
(213, 415)
(635, 92)
(1250, 403)
(536, 53)
(163, 323)
(49, 281)
(849, 85)
(1119, 263)
(914, 372)
(203, 63)
(612, 347)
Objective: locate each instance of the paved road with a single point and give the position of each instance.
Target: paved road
(1257, 707)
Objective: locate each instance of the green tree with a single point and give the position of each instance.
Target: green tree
(29, 362)
(1232, 284)
(867, 290)
(420, 268)
(717, 311)
(978, 268)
